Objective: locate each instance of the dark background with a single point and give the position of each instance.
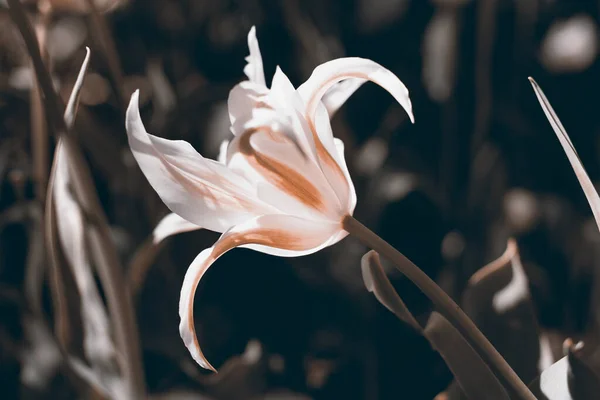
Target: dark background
(480, 164)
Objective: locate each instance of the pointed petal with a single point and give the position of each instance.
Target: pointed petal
(284, 98)
(280, 235)
(314, 89)
(200, 190)
(254, 69)
(222, 158)
(243, 98)
(170, 225)
(584, 180)
(328, 74)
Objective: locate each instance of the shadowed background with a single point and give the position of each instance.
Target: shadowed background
(481, 164)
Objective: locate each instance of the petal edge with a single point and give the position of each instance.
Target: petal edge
(275, 234)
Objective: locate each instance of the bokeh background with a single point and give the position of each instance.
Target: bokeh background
(481, 164)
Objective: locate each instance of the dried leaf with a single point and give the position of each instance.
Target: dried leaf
(66, 219)
(567, 379)
(102, 248)
(98, 345)
(471, 372)
(378, 283)
(497, 298)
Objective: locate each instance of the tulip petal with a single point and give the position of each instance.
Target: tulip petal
(312, 91)
(339, 145)
(222, 157)
(254, 69)
(339, 93)
(267, 155)
(170, 225)
(287, 101)
(243, 98)
(200, 190)
(328, 74)
(281, 235)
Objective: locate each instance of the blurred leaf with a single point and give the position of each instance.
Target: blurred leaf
(241, 377)
(41, 358)
(66, 220)
(571, 45)
(497, 298)
(473, 375)
(140, 263)
(584, 180)
(439, 55)
(379, 284)
(567, 379)
(179, 395)
(102, 35)
(588, 189)
(103, 250)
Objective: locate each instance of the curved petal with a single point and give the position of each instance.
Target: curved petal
(200, 190)
(331, 162)
(312, 91)
(339, 145)
(328, 74)
(254, 69)
(281, 235)
(337, 95)
(170, 225)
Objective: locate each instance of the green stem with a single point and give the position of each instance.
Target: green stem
(445, 305)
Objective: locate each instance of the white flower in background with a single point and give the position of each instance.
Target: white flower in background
(570, 45)
(282, 186)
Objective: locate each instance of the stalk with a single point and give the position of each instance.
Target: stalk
(445, 305)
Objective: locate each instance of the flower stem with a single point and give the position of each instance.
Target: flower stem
(445, 305)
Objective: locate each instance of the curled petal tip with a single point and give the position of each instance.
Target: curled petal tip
(276, 234)
(134, 101)
(410, 115)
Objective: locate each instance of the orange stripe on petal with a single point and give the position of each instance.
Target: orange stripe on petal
(331, 169)
(282, 176)
(276, 234)
(323, 78)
